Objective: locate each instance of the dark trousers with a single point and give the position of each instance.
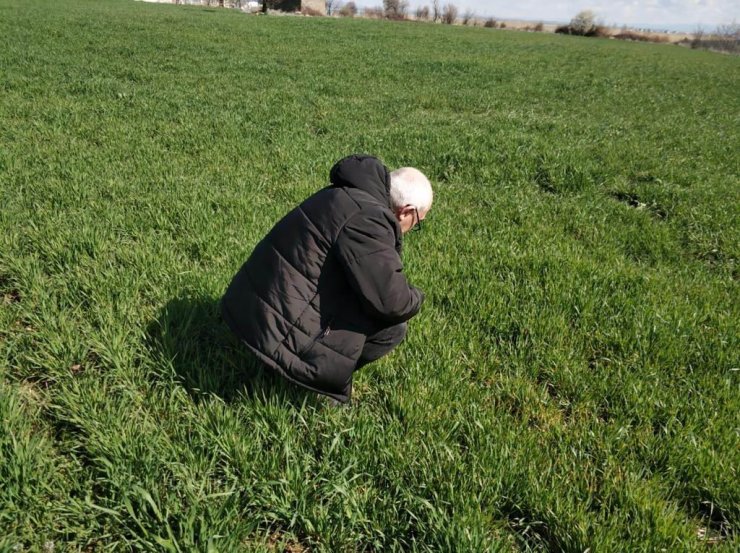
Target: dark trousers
(381, 343)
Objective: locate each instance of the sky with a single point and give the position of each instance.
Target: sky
(685, 15)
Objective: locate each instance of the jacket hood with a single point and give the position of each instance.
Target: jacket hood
(365, 173)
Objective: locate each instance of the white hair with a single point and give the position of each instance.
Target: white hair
(409, 186)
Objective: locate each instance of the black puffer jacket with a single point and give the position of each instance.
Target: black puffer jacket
(325, 277)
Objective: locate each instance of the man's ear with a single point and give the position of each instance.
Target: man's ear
(400, 211)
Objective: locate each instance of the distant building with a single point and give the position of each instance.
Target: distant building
(309, 6)
(315, 5)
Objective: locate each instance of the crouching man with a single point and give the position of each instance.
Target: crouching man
(324, 293)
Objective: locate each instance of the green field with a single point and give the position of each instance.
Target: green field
(572, 381)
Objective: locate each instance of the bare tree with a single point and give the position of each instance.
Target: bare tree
(422, 13)
(449, 14)
(332, 6)
(348, 10)
(374, 13)
(436, 11)
(395, 9)
(468, 16)
(725, 38)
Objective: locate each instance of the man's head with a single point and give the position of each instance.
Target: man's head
(411, 196)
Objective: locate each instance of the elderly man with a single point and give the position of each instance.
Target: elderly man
(324, 293)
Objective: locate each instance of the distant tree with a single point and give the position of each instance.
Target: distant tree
(467, 17)
(729, 37)
(449, 14)
(436, 11)
(490, 23)
(348, 10)
(376, 13)
(583, 23)
(422, 13)
(395, 9)
(539, 27)
(332, 6)
(725, 38)
(697, 37)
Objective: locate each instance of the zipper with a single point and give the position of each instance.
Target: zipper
(326, 331)
(323, 334)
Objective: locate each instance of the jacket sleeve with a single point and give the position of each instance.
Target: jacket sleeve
(366, 251)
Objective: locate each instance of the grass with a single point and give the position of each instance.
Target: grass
(571, 382)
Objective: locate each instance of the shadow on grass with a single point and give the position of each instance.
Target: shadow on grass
(208, 359)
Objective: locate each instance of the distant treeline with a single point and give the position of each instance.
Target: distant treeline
(725, 38)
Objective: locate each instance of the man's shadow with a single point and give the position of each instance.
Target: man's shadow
(205, 355)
